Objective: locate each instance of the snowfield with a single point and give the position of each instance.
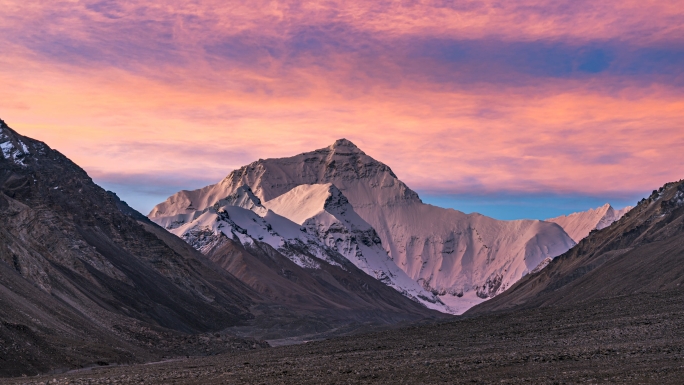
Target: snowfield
(326, 213)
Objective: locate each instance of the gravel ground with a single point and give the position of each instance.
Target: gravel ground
(633, 339)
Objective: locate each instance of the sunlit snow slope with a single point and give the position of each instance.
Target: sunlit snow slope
(326, 213)
(579, 225)
(317, 225)
(462, 258)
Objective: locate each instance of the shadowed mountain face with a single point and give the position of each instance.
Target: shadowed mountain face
(341, 292)
(82, 282)
(643, 252)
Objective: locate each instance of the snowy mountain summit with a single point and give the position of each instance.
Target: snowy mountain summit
(579, 225)
(357, 207)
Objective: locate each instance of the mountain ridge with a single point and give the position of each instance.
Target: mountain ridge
(639, 253)
(578, 225)
(319, 240)
(84, 282)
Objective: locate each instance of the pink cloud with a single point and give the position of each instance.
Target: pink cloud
(521, 96)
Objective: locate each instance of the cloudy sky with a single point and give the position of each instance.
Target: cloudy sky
(516, 109)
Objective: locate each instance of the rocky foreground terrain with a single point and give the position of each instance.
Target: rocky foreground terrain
(629, 339)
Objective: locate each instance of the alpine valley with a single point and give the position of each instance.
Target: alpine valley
(610, 310)
(325, 268)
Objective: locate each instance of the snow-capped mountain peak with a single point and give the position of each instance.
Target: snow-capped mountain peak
(579, 225)
(310, 225)
(12, 148)
(463, 258)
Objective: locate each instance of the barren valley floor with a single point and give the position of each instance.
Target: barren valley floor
(630, 339)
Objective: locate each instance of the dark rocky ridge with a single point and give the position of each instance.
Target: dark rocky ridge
(82, 282)
(311, 301)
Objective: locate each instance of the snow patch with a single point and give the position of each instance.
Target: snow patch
(203, 228)
(10, 152)
(24, 148)
(541, 266)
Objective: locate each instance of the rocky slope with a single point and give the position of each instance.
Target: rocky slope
(462, 258)
(642, 252)
(82, 282)
(579, 225)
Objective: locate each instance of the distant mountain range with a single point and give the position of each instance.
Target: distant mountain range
(375, 221)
